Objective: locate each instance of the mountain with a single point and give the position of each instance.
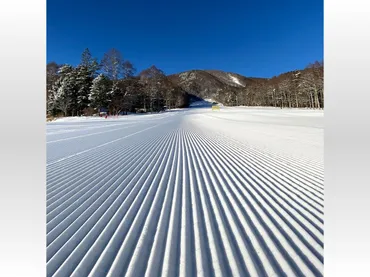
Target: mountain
(212, 84)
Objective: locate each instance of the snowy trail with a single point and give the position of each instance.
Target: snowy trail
(181, 195)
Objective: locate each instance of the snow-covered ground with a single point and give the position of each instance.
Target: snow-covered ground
(196, 192)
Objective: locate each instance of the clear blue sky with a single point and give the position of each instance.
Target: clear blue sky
(259, 38)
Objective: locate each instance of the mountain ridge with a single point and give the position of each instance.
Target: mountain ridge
(211, 83)
(297, 88)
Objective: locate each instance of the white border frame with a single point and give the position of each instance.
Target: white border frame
(22, 138)
(23, 154)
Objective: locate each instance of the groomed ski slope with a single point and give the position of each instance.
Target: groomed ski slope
(235, 192)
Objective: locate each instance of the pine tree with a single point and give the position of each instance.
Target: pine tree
(83, 83)
(52, 69)
(69, 84)
(89, 62)
(51, 105)
(63, 91)
(100, 92)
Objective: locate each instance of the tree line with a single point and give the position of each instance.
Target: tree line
(295, 89)
(110, 84)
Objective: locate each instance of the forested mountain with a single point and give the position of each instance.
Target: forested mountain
(113, 84)
(300, 88)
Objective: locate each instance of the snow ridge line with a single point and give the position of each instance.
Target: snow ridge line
(79, 162)
(277, 200)
(83, 197)
(105, 224)
(101, 145)
(95, 168)
(208, 141)
(283, 165)
(313, 164)
(266, 174)
(182, 202)
(115, 182)
(63, 131)
(89, 135)
(254, 162)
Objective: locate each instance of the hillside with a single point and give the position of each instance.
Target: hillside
(214, 84)
(300, 88)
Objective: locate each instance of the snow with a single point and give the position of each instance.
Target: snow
(109, 118)
(235, 80)
(292, 132)
(234, 192)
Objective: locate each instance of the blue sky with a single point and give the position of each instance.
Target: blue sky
(260, 38)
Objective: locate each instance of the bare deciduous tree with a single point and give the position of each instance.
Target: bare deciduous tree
(153, 79)
(112, 64)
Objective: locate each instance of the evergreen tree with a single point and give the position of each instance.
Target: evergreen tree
(52, 69)
(62, 92)
(100, 92)
(83, 84)
(89, 62)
